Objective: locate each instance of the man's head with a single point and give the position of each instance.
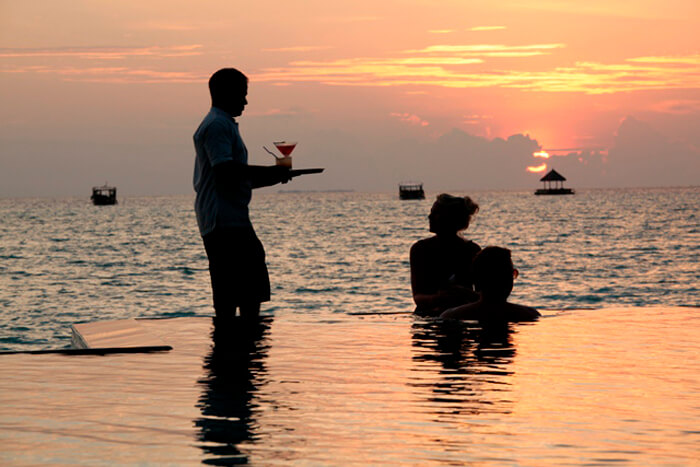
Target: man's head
(450, 214)
(228, 88)
(494, 273)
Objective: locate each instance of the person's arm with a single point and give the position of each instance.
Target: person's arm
(492, 312)
(226, 152)
(261, 175)
(229, 171)
(418, 279)
(436, 301)
(447, 296)
(522, 313)
(468, 311)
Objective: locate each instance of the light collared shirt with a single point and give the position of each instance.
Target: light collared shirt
(218, 140)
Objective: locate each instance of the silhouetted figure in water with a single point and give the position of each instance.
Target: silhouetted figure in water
(234, 372)
(441, 265)
(493, 278)
(224, 182)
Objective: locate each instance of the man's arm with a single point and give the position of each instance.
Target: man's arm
(522, 313)
(264, 175)
(259, 176)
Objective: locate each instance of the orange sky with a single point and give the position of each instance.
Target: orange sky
(102, 90)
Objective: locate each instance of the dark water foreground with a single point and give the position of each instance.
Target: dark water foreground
(593, 387)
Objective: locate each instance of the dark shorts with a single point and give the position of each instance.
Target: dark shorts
(237, 268)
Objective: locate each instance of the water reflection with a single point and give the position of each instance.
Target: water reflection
(234, 373)
(472, 375)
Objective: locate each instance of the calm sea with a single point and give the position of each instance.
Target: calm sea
(340, 372)
(64, 261)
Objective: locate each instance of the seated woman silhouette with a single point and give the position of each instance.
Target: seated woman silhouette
(493, 278)
(441, 265)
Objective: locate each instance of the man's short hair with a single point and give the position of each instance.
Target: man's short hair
(227, 81)
(493, 272)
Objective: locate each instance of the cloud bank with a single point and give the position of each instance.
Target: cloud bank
(459, 161)
(448, 66)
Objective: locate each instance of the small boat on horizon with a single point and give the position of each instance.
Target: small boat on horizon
(411, 190)
(104, 195)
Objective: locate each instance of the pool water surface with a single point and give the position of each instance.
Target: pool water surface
(581, 387)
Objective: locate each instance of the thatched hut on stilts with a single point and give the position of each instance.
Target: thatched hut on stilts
(557, 180)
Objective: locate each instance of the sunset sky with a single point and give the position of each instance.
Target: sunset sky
(462, 95)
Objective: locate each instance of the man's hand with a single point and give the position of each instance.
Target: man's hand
(227, 174)
(268, 175)
(281, 173)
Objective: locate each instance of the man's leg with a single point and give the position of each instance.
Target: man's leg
(238, 272)
(250, 311)
(217, 253)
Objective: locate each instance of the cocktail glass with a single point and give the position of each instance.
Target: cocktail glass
(286, 148)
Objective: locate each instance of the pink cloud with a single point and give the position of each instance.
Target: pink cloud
(299, 48)
(102, 53)
(410, 118)
(113, 74)
(487, 28)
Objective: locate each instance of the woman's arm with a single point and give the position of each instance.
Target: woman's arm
(468, 311)
(420, 278)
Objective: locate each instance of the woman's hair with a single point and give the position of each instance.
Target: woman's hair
(492, 270)
(227, 81)
(451, 213)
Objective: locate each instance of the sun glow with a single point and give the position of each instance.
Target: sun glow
(537, 168)
(542, 154)
(456, 66)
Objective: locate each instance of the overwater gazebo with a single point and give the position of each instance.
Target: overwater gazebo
(553, 184)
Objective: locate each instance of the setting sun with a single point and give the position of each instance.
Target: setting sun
(537, 168)
(467, 83)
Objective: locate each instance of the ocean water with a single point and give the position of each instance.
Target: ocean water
(64, 261)
(339, 372)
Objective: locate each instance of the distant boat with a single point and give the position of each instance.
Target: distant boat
(104, 195)
(553, 177)
(411, 190)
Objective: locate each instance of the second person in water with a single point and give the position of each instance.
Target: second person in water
(441, 275)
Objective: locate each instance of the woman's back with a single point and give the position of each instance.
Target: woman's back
(442, 266)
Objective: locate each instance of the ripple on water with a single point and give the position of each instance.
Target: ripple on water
(343, 252)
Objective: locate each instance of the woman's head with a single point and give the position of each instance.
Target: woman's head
(450, 214)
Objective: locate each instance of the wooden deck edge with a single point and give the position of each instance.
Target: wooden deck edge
(116, 334)
(86, 351)
(77, 340)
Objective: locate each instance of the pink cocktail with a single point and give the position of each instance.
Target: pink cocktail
(285, 147)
